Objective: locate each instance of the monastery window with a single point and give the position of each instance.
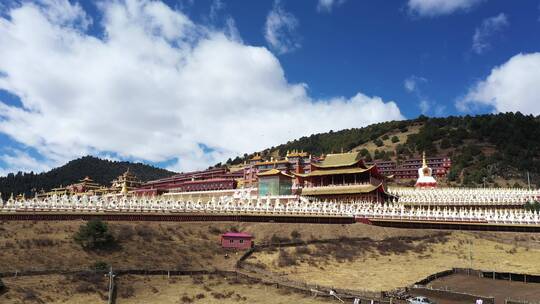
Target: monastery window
(241, 241)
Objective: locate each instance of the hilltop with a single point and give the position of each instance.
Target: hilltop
(101, 171)
(495, 149)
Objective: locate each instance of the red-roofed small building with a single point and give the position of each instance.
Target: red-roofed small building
(236, 240)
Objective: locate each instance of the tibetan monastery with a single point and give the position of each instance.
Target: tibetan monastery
(343, 176)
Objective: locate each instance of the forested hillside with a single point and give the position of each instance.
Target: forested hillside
(485, 149)
(100, 170)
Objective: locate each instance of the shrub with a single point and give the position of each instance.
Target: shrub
(99, 266)
(214, 230)
(94, 235)
(295, 235)
(200, 296)
(278, 240)
(378, 143)
(395, 139)
(284, 259)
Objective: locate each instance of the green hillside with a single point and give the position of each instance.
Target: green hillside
(100, 170)
(495, 149)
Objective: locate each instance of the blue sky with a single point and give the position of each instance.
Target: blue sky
(185, 84)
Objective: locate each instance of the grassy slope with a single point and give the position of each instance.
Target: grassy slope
(152, 245)
(383, 267)
(151, 289)
(48, 245)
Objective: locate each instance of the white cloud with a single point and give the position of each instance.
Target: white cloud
(328, 5)
(511, 87)
(157, 87)
(280, 30)
(425, 106)
(412, 82)
(19, 160)
(482, 34)
(215, 8)
(412, 85)
(432, 8)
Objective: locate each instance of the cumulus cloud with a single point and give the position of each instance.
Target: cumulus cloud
(488, 28)
(280, 30)
(154, 86)
(433, 8)
(511, 87)
(328, 5)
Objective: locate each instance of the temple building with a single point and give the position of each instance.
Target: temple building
(274, 182)
(127, 182)
(294, 161)
(425, 178)
(84, 186)
(206, 180)
(342, 176)
(408, 169)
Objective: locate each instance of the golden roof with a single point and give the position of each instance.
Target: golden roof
(334, 172)
(273, 172)
(352, 189)
(256, 157)
(296, 153)
(270, 162)
(339, 160)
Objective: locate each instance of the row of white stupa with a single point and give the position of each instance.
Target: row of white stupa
(465, 196)
(272, 206)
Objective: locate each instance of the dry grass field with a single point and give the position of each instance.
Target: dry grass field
(393, 263)
(388, 145)
(204, 289)
(55, 289)
(151, 245)
(147, 289)
(376, 259)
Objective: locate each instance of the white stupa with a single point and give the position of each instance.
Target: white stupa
(425, 180)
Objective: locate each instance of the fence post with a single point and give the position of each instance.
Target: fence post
(111, 285)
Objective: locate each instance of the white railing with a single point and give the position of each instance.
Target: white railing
(272, 205)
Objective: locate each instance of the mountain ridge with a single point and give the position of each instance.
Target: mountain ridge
(100, 170)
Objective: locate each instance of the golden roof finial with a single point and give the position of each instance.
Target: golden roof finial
(424, 163)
